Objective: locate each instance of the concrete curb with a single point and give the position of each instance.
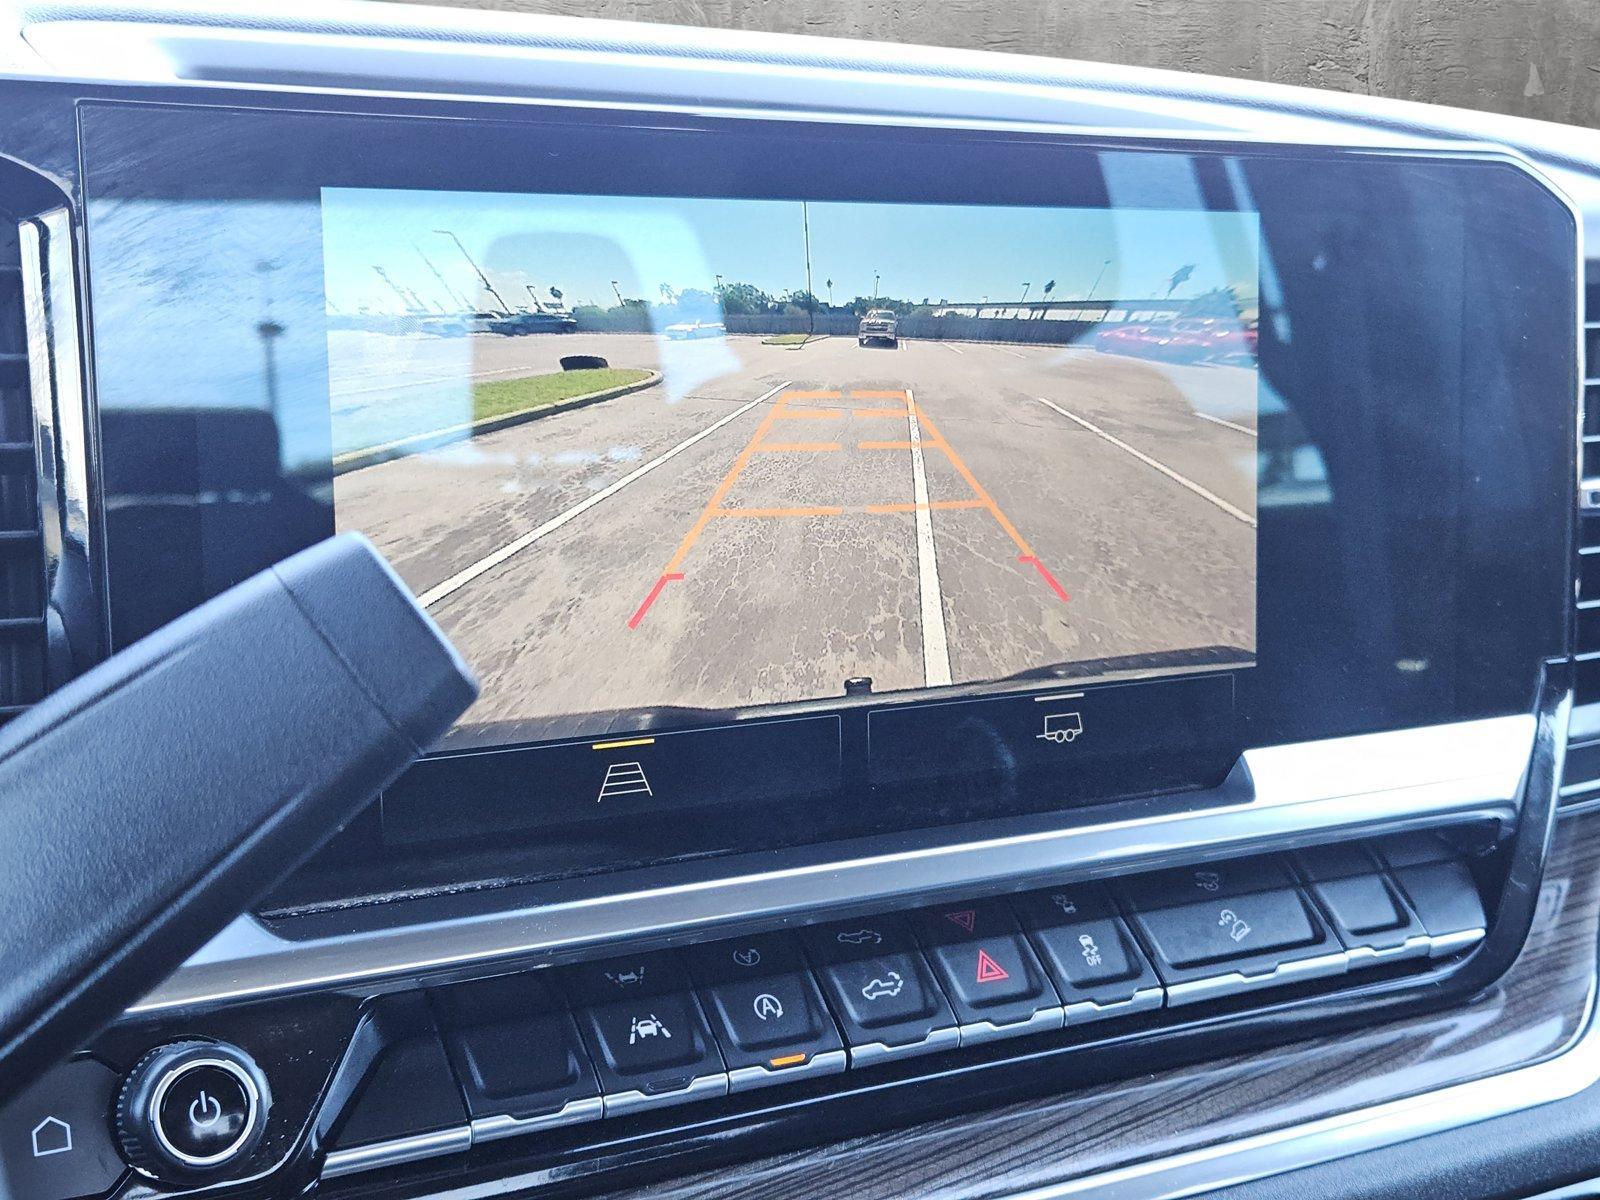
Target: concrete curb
(355, 460)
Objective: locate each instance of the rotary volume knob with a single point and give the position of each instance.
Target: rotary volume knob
(191, 1109)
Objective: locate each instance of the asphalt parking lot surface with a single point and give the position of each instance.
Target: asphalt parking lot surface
(768, 522)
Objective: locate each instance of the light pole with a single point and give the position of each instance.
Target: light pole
(484, 279)
(1097, 279)
(811, 299)
(1024, 299)
(874, 285)
(621, 303)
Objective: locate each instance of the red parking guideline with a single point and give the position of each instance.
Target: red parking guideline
(633, 621)
(1048, 578)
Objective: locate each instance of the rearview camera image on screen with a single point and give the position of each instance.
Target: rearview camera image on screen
(660, 455)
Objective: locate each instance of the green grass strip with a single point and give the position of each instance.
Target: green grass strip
(497, 397)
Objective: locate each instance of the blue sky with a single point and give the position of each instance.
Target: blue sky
(942, 252)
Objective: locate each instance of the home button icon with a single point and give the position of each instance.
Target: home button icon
(52, 1136)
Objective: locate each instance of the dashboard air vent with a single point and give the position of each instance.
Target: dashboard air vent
(22, 599)
(1580, 782)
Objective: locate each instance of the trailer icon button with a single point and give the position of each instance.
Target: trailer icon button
(1061, 728)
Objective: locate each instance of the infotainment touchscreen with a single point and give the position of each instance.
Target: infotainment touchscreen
(722, 454)
(790, 480)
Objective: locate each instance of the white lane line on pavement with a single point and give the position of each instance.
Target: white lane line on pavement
(1245, 429)
(1238, 514)
(1013, 353)
(935, 641)
(490, 561)
(952, 349)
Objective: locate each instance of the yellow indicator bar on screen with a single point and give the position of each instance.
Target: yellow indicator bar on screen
(620, 745)
(788, 1060)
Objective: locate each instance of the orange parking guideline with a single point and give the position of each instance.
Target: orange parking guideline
(817, 510)
(972, 480)
(723, 488)
(931, 506)
(931, 439)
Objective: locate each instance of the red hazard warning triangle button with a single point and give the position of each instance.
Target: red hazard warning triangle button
(990, 971)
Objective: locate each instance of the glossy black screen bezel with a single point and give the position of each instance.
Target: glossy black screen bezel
(1328, 665)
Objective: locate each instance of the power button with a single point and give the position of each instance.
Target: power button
(191, 1108)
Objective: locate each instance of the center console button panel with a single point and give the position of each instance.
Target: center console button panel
(767, 1011)
(881, 990)
(534, 1050)
(645, 1031)
(669, 1027)
(1094, 961)
(409, 1107)
(994, 981)
(1231, 927)
(518, 1055)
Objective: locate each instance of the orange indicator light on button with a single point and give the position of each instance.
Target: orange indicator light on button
(788, 1060)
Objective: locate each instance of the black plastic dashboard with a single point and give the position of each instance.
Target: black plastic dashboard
(1413, 369)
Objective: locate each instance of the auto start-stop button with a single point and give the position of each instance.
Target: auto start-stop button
(191, 1108)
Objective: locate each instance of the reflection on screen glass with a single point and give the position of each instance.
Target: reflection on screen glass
(641, 453)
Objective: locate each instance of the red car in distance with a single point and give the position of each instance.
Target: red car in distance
(1191, 339)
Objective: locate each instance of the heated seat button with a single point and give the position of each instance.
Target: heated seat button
(1230, 927)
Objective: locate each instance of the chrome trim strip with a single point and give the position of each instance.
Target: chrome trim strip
(1417, 946)
(1233, 983)
(1046, 1020)
(1277, 798)
(1081, 1012)
(72, 542)
(400, 1150)
(1449, 943)
(876, 1052)
(701, 1088)
(503, 1125)
(827, 1062)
